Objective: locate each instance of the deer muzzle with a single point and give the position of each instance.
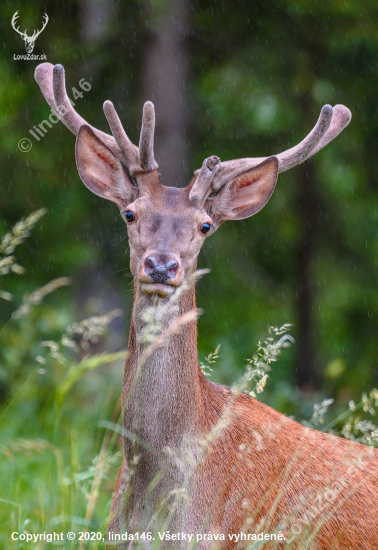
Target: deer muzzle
(160, 273)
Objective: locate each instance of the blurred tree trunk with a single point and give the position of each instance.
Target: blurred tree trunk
(307, 374)
(166, 74)
(95, 20)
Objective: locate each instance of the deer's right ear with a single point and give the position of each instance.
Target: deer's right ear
(101, 171)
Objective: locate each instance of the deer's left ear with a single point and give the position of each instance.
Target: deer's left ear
(244, 195)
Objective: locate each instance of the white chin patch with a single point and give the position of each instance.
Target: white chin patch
(159, 289)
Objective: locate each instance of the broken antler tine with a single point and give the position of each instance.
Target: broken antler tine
(306, 147)
(146, 142)
(71, 118)
(129, 149)
(340, 120)
(202, 185)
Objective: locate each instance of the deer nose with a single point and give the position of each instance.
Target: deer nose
(160, 268)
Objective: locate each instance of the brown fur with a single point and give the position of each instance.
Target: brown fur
(243, 465)
(261, 466)
(262, 471)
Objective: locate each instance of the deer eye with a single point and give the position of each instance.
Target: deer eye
(129, 216)
(205, 228)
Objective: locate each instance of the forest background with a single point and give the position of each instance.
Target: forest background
(231, 78)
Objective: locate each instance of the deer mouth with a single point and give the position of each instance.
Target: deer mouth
(163, 290)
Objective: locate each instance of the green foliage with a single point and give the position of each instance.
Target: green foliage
(57, 464)
(43, 434)
(260, 72)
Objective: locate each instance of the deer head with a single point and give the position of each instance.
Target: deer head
(167, 226)
(168, 404)
(29, 40)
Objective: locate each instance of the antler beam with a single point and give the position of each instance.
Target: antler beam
(331, 122)
(51, 80)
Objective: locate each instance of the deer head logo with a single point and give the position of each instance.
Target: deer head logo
(29, 40)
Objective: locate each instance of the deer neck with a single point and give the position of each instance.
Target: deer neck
(163, 384)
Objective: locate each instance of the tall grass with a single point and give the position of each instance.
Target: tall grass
(60, 443)
(57, 465)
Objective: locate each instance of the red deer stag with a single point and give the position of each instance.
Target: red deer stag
(204, 463)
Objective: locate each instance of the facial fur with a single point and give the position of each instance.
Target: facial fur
(167, 230)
